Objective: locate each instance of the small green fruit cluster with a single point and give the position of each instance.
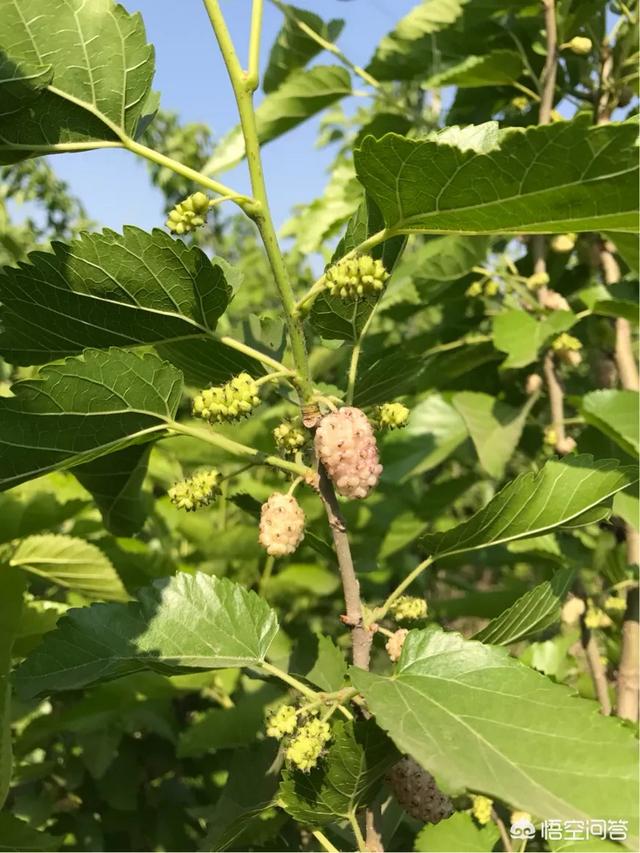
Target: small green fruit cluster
(230, 402)
(307, 735)
(391, 416)
(408, 608)
(481, 809)
(289, 438)
(538, 280)
(488, 288)
(196, 491)
(567, 349)
(282, 722)
(354, 278)
(189, 214)
(563, 242)
(581, 45)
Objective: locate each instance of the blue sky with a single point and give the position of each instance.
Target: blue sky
(191, 77)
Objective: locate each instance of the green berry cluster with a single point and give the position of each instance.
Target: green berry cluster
(481, 809)
(408, 608)
(596, 618)
(289, 438)
(538, 280)
(189, 214)
(196, 491)
(282, 722)
(581, 45)
(307, 736)
(307, 746)
(615, 604)
(353, 278)
(488, 288)
(567, 349)
(230, 402)
(392, 416)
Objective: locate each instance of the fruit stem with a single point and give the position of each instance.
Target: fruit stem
(241, 450)
(243, 87)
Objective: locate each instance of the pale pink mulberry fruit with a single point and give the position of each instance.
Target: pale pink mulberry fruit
(347, 448)
(281, 525)
(416, 791)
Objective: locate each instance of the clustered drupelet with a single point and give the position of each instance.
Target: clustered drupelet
(281, 525)
(416, 791)
(346, 446)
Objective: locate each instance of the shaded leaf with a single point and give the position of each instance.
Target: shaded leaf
(98, 75)
(401, 54)
(521, 336)
(550, 179)
(300, 96)
(293, 48)
(433, 432)
(205, 362)
(17, 835)
(225, 728)
(115, 482)
(70, 562)
(498, 718)
(495, 427)
(329, 670)
(189, 622)
(12, 584)
(459, 832)
(442, 259)
(536, 610)
(497, 68)
(240, 803)
(535, 503)
(83, 408)
(108, 290)
(615, 413)
(346, 778)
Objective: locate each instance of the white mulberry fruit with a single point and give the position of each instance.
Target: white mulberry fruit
(347, 448)
(395, 643)
(416, 791)
(281, 525)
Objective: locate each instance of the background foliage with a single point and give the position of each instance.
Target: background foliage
(138, 642)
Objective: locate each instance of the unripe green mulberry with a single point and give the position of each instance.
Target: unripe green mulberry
(580, 45)
(281, 525)
(289, 438)
(230, 402)
(538, 280)
(282, 722)
(307, 746)
(474, 289)
(392, 416)
(481, 809)
(567, 349)
(354, 278)
(197, 491)
(615, 604)
(409, 608)
(189, 214)
(563, 242)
